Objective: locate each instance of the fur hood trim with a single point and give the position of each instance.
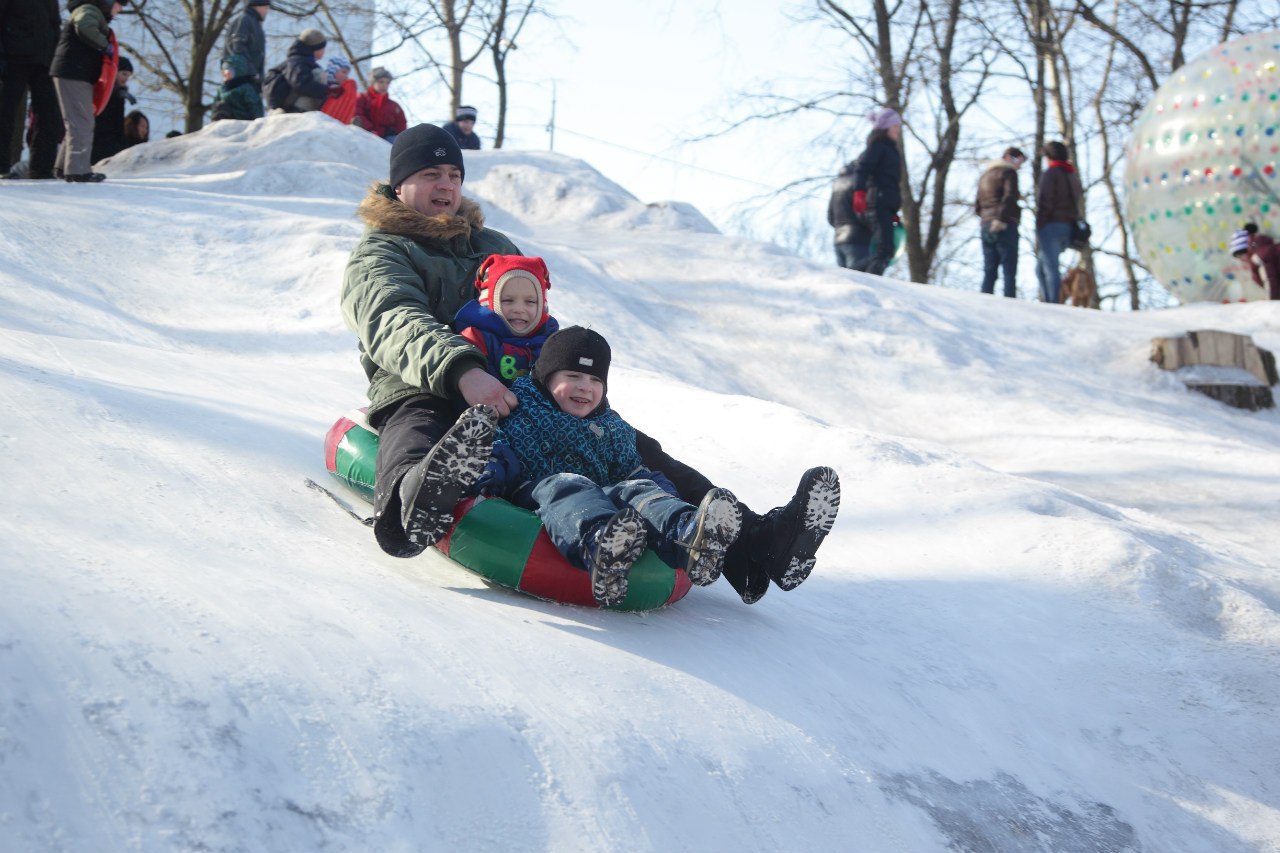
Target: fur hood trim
(383, 211)
(1000, 163)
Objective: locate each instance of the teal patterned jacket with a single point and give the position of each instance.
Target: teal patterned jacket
(548, 441)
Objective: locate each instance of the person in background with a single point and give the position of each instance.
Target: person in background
(28, 37)
(341, 103)
(108, 127)
(239, 96)
(245, 37)
(998, 216)
(876, 191)
(849, 245)
(304, 88)
(1262, 254)
(376, 112)
(77, 65)
(137, 129)
(462, 129)
(1058, 205)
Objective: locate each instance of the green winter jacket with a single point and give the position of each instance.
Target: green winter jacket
(404, 282)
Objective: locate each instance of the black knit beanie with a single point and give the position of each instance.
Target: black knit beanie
(421, 146)
(575, 348)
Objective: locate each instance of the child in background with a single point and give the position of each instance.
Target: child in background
(341, 104)
(1262, 255)
(510, 319)
(580, 471)
(239, 96)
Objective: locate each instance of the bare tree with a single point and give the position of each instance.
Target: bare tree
(509, 20)
(175, 47)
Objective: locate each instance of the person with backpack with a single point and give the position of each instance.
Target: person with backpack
(83, 46)
(298, 84)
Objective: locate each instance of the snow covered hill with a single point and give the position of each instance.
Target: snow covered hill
(1048, 617)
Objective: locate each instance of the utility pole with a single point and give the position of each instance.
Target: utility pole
(551, 125)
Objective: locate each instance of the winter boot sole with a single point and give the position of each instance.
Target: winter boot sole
(431, 488)
(716, 526)
(619, 544)
(820, 488)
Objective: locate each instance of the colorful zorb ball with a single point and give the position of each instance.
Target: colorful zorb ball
(1201, 163)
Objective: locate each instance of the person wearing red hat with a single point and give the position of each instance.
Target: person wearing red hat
(509, 320)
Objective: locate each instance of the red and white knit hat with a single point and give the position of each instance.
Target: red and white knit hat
(497, 270)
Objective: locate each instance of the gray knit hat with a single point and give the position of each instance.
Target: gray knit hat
(313, 38)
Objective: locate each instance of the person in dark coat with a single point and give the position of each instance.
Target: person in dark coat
(877, 194)
(462, 128)
(245, 37)
(82, 47)
(108, 127)
(28, 37)
(239, 96)
(1059, 203)
(998, 217)
(850, 246)
(305, 87)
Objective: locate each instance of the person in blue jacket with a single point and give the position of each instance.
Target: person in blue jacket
(581, 472)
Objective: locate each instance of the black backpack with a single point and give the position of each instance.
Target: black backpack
(277, 91)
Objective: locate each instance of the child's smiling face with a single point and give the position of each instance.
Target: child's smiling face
(575, 393)
(519, 304)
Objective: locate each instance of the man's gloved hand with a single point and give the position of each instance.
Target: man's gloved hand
(860, 202)
(500, 473)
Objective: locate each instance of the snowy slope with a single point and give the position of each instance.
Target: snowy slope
(1046, 619)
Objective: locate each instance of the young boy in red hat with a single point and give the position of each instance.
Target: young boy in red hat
(510, 318)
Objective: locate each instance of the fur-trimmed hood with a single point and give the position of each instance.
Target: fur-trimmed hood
(383, 211)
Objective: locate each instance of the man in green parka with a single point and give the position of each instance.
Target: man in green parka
(405, 280)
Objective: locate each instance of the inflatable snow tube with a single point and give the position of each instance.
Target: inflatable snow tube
(501, 542)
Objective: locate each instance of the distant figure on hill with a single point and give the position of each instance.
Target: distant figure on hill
(851, 245)
(341, 103)
(376, 112)
(245, 37)
(876, 192)
(1059, 201)
(462, 129)
(28, 37)
(137, 129)
(1262, 254)
(108, 128)
(298, 84)
(83, 46)
(434, 401)
(239, 96)
(998, 217)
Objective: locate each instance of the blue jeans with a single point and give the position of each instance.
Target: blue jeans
(850, 254)
(999, 254)
(1054, 239)
(571, 506)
